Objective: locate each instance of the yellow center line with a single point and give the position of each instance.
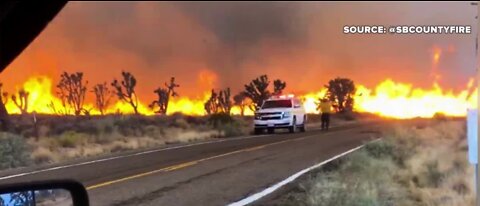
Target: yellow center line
(187, 164)
(180, 166)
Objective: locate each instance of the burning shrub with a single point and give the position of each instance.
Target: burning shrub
(14, 151)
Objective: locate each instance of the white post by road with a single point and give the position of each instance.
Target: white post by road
(472, 138)
(472, 135)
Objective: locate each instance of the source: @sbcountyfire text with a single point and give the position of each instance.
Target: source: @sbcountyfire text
(405, 29)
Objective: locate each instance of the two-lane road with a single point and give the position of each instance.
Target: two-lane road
(208, 173)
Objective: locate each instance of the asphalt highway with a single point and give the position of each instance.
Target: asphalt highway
(216, 172)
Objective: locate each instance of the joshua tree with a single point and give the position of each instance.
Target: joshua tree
(103, 95)
(161, 102)
(164, 95)
(257, 90)
(219, 102)
(224, 101)
(4, 95)
(211, 105)
(240, 101)
(278, 86)
(125, 90)
(72, 90)
(21, 100)
(171, 91)
(4, 117)
(340, 93)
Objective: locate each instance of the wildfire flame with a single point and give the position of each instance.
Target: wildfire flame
(388, 99)
(400, 100)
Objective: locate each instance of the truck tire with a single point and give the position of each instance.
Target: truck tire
(258, 131)
(302, 128)
(293, 128)
(271, 130)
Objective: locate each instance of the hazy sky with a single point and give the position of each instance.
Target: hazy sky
(226, 44)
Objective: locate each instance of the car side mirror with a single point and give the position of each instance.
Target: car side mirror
(44, 193)
(296, 106)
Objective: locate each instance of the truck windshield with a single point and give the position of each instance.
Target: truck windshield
(277, 104)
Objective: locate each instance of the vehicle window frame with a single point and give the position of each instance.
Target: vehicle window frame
(292, 103)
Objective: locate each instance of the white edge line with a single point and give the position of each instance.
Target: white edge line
(267, 191)
(129, 155)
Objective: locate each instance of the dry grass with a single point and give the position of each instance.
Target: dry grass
(72, 145)
(412, 165)
(42, 155)
(64, 138)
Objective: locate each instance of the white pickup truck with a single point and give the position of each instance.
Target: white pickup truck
(280, 112)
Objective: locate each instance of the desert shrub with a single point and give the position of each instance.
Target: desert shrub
(118, 147)
(89, 127)
(180, 123)
(71, 139)
(132, 126)
(43, 155)
(231, 129)
(104, 126)
(461, 187)
(359, 180)
(195, 120)
(404, 143)
(14, 151)
(153, 131)
(219, 119)
(432, 175)
(43, 130)
(28, 132)
(398, 150)
(380, 149)
(57, 129)
(228, 125)
(104, 139)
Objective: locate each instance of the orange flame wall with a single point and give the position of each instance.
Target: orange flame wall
(400, 100)
(388, 99)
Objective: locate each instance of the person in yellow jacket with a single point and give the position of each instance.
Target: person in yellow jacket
(325, 108)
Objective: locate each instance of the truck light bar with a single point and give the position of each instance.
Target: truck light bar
(283, 96)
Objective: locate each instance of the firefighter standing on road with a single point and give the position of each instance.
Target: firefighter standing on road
(325, 108)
